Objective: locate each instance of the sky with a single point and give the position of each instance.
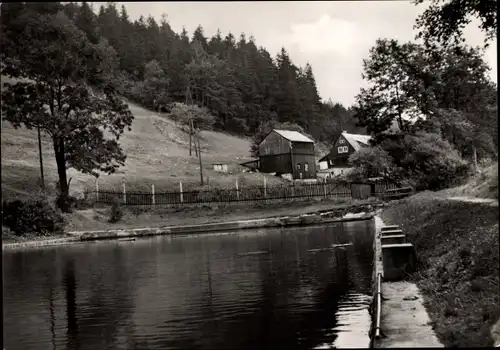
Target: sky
(333, 36)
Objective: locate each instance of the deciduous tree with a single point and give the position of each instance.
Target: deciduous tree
(445, 20)
(65, 88)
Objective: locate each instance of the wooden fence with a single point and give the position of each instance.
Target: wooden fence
(257, 193)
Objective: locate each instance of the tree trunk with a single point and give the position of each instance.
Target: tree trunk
(63, 200)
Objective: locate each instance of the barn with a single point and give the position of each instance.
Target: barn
(287, 152)
(336, 163)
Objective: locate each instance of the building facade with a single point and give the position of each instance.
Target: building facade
(287, 152)
(336, 162)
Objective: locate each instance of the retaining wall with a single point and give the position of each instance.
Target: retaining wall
(83, 236)
(377, 268)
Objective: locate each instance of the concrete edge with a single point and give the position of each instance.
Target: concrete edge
(85, 236)
(377, 268)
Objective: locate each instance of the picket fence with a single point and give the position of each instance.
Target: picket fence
(256, 193)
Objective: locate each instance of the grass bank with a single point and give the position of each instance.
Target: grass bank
(457, 245)
(97, 218)
(483, 184)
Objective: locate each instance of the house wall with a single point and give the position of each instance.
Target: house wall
(338, 157)
(274, 144)
(302, 160)
(341, 150)
(323, 165)
(341, 170)
(276, 156)
(279, 163)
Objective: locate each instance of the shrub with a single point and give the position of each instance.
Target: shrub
(370, 162)
(37, 217)
(426, 160)
(116, 211)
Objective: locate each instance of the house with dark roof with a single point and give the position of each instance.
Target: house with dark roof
(286, 152)
(336, 162)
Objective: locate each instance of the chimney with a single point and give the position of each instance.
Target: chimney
(344, 132)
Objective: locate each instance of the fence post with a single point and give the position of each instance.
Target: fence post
(124, 192)
(97, 189)
(180, 189)
(324, 188)
(265, 188)
(237, 191)
(153, 193)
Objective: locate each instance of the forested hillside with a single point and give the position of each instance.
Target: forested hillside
(242, 84)
(74, 65)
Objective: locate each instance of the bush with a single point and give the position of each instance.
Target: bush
(37, 217)
(426, 160)
(370, 162)
(116, 211)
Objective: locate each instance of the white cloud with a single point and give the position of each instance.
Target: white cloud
(324, 36)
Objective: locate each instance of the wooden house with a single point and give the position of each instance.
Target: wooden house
(336, 162)
(287, 152)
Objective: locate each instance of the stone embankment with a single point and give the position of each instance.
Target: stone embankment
(402, 319)
(357, 213)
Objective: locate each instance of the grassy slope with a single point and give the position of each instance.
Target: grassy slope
(458, 246)
(483, 185)
(157, 151)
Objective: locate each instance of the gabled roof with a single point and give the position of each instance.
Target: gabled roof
(357, 141)
(293, 136)
(323, 159)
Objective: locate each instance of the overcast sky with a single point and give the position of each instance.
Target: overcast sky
(333, 36)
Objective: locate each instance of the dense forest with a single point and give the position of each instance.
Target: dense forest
(241, 84)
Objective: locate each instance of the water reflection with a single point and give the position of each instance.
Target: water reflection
(255, 289)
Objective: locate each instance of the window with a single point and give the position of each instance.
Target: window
(341, 141)
(306, 167)
(343, 149)
(298, 166)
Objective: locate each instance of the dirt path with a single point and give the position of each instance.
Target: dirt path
(492, 202)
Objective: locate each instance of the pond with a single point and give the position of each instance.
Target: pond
(283, 288)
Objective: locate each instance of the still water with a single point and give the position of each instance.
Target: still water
(254, 289)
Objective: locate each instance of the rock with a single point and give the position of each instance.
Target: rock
(414, 297)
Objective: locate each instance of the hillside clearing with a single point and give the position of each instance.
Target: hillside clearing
(157, 153)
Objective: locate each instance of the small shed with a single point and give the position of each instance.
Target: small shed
(220, 167)
(287, 152)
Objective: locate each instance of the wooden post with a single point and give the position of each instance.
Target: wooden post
(124, 192)
(291, 160)
(474, 158)
(265, 188)
(153, 194)
(180, 189)
(324, 188)
(97, 190)
(237, 191)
